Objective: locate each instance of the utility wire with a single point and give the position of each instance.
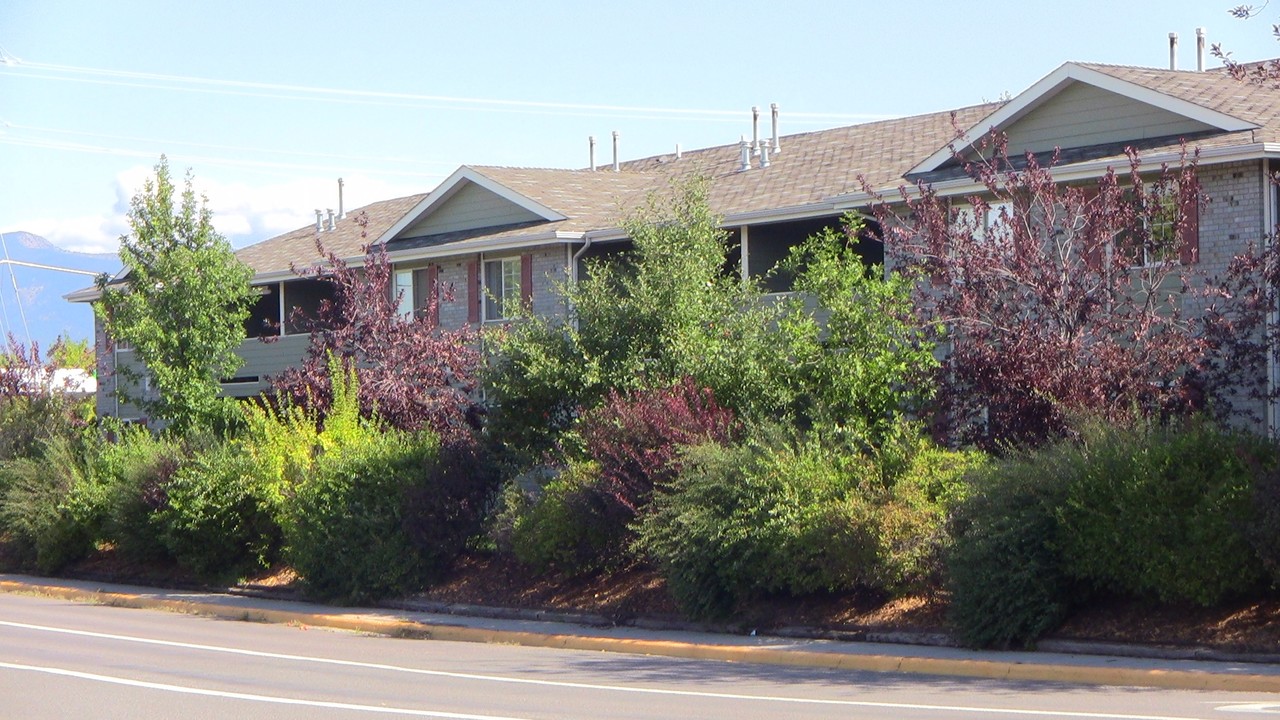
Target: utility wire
(237, 148)
(16, 297)
(267, 164)
(450, 102)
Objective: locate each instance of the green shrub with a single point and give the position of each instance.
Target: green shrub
(27, 421)
(135, 471)
(568, 524)
(1161, 511)
(1264, 530)
(344, 527)
(217, 521)
(926, 483)
(50, 507)
(1005, 571)
(744, 521)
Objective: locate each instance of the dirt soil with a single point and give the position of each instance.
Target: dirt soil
(1250, 626)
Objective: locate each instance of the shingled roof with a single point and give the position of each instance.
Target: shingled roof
(811, 171)
(348, 239)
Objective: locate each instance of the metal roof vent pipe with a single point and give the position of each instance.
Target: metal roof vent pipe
(332, 224)
(319, 221)
(1173, 51)
(616, 168)
(342, 213)
(755, 130)
(745, 147)
(764, 155)
(591, 151)
(777, 146)
(1200, 49)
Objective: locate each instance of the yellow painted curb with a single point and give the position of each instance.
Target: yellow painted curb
(400, 627)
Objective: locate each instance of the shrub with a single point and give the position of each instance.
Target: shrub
(568, 525)
(27, 421)
(49, 507)
(446, 504)
(217, 521)
(344, 528)
(636, 437)
(135, 471)
(1264, 531)
(1161, 511)
(1005, 571)
(925, 483)
(748, 520)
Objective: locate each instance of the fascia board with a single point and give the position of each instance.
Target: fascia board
(1053, 83)
(453, 184)
(89, 294)
(798, 212)
(1070, 173)
(470, 247)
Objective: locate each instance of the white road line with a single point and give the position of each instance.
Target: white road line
(253, 698)
(591, 686)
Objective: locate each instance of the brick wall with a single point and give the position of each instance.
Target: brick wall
(1232, 218)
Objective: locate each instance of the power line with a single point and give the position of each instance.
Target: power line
(223, 86)
(226, 162)
(16, 297)
(237, 148)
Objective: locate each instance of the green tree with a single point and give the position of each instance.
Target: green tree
(181, 306)
(664, 311)
(843, 352)
(68, 353)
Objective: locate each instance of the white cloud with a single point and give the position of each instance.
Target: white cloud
(245, 213)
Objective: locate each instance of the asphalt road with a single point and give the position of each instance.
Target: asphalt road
(60, 659)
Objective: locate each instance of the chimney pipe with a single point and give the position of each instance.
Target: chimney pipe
(319, 220)
(777, 147)
(615, 151)
(1200, 34)
(342, 213)
(591, 151)
(755, 130)
(332, 225)
(764, 154)
(678, 155)
(746, 153)
(1173, 51)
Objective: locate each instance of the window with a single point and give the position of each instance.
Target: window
(995, 226)
(402, 292)
(1162, 231)
(502, 288)
(1157, 241)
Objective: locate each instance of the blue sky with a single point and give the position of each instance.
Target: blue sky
(269, 102)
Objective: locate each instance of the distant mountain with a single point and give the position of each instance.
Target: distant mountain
(40, 289)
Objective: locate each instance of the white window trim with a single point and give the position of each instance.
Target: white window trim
(492, 299)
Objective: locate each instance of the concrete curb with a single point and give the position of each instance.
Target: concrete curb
(402, 627)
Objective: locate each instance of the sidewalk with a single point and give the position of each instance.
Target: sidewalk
(831, 654)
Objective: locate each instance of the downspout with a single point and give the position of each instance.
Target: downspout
(573, 266)
(573, 262)
(1272, 194)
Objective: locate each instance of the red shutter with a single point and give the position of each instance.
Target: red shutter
(526, 281)
(433, 295)
(1189, 228)
(473, 291)
(1094, 240)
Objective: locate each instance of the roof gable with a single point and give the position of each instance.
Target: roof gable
(469, 200)
(1077, 106)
